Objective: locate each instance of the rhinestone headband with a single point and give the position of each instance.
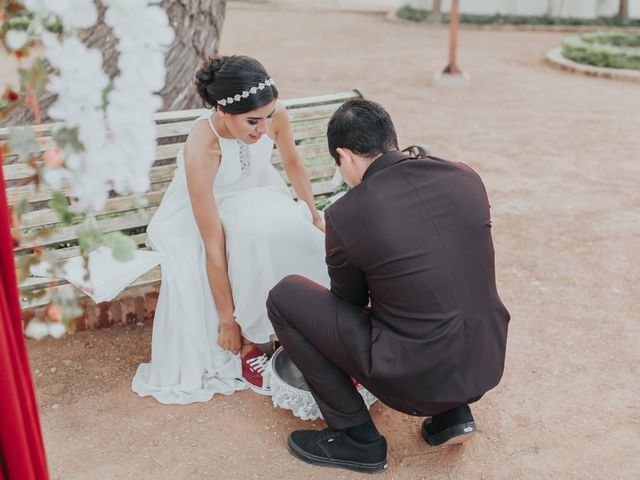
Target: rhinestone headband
(246, 93)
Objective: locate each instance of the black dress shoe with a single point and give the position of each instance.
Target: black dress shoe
(450, 427)
(330, 448)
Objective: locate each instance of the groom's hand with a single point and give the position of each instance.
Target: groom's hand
(230, 337)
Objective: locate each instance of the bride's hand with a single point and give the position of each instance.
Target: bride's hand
(230, 337)
(319, 223)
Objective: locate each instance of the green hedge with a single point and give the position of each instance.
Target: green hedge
(407, 12)
(604, 49)
(418, 15)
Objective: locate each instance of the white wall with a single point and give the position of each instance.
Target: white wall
(562, 8)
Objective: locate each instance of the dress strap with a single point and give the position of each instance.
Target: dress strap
(213, 129)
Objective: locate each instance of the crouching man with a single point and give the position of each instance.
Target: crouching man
(413, 312)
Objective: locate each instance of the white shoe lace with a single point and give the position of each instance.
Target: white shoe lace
(258, 364)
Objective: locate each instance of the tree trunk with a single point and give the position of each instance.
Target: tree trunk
(623, 11)
(197, 25)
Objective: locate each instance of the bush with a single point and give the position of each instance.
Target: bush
(604, 49)
(407, 12)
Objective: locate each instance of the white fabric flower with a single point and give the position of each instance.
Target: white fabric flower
(54, 177)
(37, 330)
(57, 330)
(118, 143)
(73, 14)
(16, 39)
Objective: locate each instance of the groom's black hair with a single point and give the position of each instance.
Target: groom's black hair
(362, 126)
(227, 76)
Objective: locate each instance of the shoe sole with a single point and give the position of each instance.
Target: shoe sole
(451, 436)
(326, 462)
(259, 390)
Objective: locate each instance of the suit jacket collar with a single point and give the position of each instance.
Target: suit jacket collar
(384, 161)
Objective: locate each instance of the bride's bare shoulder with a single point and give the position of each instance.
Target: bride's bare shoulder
(201, 144)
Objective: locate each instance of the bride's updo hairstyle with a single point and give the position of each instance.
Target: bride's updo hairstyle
(236, 78)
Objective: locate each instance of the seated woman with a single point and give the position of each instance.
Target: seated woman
(228, 230)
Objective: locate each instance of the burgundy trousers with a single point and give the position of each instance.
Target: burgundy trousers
(305, 319)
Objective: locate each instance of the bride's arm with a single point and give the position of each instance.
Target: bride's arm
(201, 160)
(292, 163)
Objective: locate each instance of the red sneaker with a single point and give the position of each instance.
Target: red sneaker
(254, 365)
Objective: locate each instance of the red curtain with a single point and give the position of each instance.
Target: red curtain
(22, 454)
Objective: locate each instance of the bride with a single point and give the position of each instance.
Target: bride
(228, 230)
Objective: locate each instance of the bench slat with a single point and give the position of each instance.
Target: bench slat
(159, 174)
(136, 219)
(18, 171)
(306, 152)
(67, 234)
(47, 216)
(291, 104)
(40, 218)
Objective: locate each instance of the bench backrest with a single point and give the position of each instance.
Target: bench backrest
(309, 118)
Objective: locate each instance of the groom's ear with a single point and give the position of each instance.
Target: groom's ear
(345, 155)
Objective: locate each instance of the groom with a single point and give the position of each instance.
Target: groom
(413, 313)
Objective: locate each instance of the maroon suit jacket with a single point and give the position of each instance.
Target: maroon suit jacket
(414, 239)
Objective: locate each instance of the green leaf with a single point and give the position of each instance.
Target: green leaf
(122, 247)
(87, 239)
(18, 22)
(67, 138)
(105, 94)
(54, 25)
(60, 204)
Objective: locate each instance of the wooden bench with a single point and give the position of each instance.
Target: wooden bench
(309, 118)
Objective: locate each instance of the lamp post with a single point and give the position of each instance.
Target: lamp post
(452, 75)
(452, 68)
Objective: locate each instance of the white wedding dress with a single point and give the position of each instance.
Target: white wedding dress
(268, 236)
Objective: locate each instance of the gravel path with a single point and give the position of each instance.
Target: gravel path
(559, 156)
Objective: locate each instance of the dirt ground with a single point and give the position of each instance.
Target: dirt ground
(559, 154)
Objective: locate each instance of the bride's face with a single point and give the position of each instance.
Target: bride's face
(249, 127)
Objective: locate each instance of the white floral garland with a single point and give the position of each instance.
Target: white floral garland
(117, 154)
(117, 142)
